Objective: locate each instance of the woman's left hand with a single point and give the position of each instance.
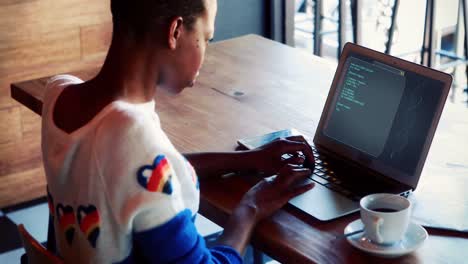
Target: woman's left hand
(295, 150)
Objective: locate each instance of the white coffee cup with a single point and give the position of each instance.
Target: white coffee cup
(385, 217)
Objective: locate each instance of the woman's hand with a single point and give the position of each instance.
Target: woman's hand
(261, 201)
(271, 157)
(271, 193)
(274, 192)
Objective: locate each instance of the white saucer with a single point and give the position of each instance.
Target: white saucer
(413, 239)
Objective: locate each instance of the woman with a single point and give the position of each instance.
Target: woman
(118, 189)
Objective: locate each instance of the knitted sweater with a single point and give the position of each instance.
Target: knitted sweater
(119, 189)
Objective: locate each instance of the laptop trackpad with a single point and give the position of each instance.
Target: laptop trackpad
(324, 204)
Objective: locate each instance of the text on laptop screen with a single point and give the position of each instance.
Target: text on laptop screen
(383, 112)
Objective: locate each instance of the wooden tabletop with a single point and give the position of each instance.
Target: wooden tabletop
(250, 86)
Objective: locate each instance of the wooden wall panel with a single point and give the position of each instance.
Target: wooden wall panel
(33, 185)
(11, 2)
(10, 124)
(55, 47)
(44, 70)
(40, 38)
(5, 100)
(39, 17)
(95, 40)
(21, 155)
(30, 123)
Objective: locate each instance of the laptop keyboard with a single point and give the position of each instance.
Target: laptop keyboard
(325, 176)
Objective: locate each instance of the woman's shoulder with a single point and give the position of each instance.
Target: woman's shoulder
(127, 126)
(123, 116)
(55, 85)
(63, 79)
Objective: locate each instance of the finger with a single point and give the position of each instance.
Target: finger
(284, 173)
(286, 156)
(271, 178)
(296, 138)
(292, 173)
(299, 139)
(299, 175)
(295, 146)
(288, 169)
(300, 190)
(295, 160)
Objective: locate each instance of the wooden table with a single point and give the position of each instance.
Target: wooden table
(249, 86)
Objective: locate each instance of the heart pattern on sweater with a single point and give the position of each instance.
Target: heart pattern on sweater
(89, 222)
(66, 220)
(156, 177)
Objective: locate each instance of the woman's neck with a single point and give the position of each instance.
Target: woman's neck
(130, 72)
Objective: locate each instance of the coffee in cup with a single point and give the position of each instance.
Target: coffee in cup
(385, 217)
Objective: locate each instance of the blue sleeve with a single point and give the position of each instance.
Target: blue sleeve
(178, 241)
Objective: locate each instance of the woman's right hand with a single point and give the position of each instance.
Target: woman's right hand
(261, 201)
(274, 192)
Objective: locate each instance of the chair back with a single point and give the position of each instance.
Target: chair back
(36, 253)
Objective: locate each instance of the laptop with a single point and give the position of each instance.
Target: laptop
(374, 133)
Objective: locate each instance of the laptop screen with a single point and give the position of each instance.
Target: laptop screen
(383, 114)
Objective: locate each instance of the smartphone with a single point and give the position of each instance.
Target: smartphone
(258, 141)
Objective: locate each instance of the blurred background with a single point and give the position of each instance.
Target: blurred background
(392, 26)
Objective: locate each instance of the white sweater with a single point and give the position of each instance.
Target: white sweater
(116, 175)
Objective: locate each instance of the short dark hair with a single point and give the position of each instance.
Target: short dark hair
(139, 17)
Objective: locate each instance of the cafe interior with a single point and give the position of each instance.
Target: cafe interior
(273, 69)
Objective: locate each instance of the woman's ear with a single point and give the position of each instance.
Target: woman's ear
(175, 30)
